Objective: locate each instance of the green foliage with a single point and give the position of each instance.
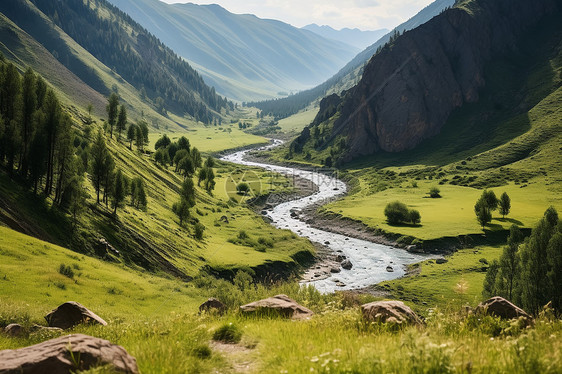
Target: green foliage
(482, 208)
(228, 333)
(434, 193)
(242, 188)
(397, 212)
(138, 194)
(66, 271)
(112, 110)
(163, 142)
(504, 204)
(162, 157)
(120, 190)
(199, 231)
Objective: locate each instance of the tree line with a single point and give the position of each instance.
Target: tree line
(529, 271)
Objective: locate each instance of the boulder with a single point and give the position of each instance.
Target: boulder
(340, 258)
(71, 314)
(335, 270)
(346, 264)
(280, 304)
(441, 260)
(67, 354)
(392, 311)
(390, 269)
(14, 329)
(500, 307)
(212, 304)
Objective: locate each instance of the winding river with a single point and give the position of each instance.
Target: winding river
(370, 260)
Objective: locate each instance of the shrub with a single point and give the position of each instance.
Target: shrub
(266, 242)
(228, 333)
(414, 217)
(396, 212)
(434, 193)
(243, 188)
(202, 351)
(243, 235)
(66, 271)
(199, 230)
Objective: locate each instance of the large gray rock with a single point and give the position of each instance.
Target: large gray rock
(71, 314)
(500, 307)
(279, 305)
(65, 355)
(346, 264)
(392, 311)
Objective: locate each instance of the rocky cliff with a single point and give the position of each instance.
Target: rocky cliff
(410, 88)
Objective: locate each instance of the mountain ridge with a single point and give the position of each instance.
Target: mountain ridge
(356, 37)
(242, 56)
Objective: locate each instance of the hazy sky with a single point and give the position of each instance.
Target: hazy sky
(363, 14)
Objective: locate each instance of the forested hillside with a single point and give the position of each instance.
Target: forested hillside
(113, 38)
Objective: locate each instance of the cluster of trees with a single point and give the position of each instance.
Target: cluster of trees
(529, 271)
(136, 55)
(397, 212)
(39, 145)
(487, 203)
(111, 180)
(37, 141)
(186, 160)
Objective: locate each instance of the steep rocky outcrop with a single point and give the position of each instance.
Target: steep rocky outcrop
(411, 86)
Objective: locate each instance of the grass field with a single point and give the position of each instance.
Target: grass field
(156, 320)
(453, 213)
(299, 121)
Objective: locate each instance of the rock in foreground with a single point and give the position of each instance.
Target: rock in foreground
(71, 314)
(212, 304)
(500, 307)
(389, 311)
(281, 305)
(56, 356)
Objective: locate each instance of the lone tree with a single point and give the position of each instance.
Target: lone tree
(243, 188)
(112, 110)
(505, 204)
(414, 217)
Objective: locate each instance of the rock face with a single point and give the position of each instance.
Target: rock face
(71, 314)
(212, 304)
(389, 312)
(54, 356)
(409, 89)
(281, 305)
(500, 307)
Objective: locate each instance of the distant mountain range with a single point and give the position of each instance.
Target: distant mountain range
(350, 74)
(242, 56)
(355, 37)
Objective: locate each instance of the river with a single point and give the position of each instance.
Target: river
(370, 260)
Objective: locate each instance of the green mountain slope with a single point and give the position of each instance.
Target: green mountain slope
(244, 57)
(69, 28)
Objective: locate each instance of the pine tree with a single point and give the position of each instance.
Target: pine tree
(121, 121)
(119, 190)
(505, 204)
(112, 110)
(98, 156)
(29, 108)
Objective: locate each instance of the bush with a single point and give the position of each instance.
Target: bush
(396, 212)
(266, 242)
(434, 193)
(199, 230)
(202, 351)
(243, 188)
(414, 217)
(243, 235)
(66, 271)
(228, 333)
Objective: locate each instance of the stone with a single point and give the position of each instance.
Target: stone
(60, 356)
(393, 311)
(327, 242)
(441, 260)
(212, 304)
(71, 314)
(346, 264)
(500, 307)
(279, 304)
(390, 269)
(340, 258)
(39, 328)
(14, 329)
(335, 270)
